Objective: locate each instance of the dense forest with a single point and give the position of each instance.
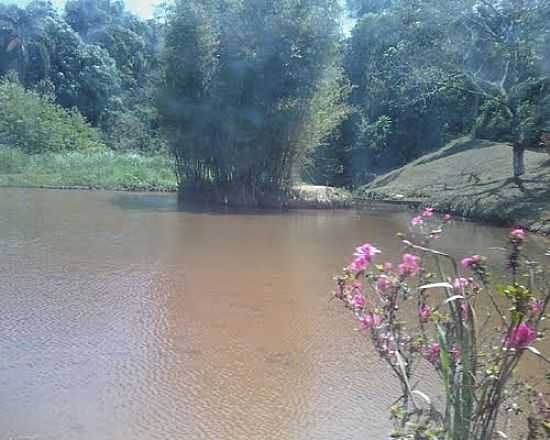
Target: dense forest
(249, 96)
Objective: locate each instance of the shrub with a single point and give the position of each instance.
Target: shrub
(474, 354)
(133, 131)
(34, 123)
(12, 161)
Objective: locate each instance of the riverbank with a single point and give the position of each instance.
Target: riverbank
(108, 170)
(87, 170)
(472, 179)
(299, 196)
(319, 197)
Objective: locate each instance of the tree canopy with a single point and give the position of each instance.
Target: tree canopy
(250, 95)
(244, 111)
(98, 57)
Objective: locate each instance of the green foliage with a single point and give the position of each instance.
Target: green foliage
(442, 69)
(327, 109)
(503, 45)
(90, 169)
(34, 123)
(131, 42)
(254, 93)
(493, 122)
(245, 110)
(359, 8)
(127, 131)
(395, 63)
(99, 59)
(23, 40)
(375, 135)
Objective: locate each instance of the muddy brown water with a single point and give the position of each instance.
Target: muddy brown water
(126, 317)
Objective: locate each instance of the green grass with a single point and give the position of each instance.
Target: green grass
(473, 178)
(93, 169)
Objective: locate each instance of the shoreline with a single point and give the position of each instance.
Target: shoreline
(90, 188)
(541, 228)
(316, 198)
(301, 196)
(296, 204)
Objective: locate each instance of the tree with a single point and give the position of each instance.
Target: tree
(130, 41)
(238, 114)
(425, 70)
(39, 45)
(359, 8)
(85, 76)
(327, 111)
(23, 40)
(398, 64)
(503, 45)
(33, 122)
(128, 118)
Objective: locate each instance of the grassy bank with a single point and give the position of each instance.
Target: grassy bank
(97, 169)
(126, 171)
(472, 179)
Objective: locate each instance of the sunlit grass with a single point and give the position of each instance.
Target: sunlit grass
(95, 169)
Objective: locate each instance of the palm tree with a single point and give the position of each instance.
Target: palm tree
(23, 40)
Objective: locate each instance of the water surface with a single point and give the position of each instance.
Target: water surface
(124, 317)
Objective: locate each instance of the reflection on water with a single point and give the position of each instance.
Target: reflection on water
(128, 316)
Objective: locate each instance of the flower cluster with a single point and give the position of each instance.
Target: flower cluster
(445, 334)
(363, 257)
(521, 336)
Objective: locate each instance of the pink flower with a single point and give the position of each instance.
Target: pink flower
(409, 265)
(461, 283)
(367, 250)
(359, 263)
(424, 312)
(535, 306)
(431, 352)
(363, 257)
(358, 301)
(428, 212)
(384, 283)
(447, 217)
(522, 335)
(370, 320)
(518, 233)
(415, 221)
(471, 262)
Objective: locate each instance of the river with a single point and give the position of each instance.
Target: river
(124, 317)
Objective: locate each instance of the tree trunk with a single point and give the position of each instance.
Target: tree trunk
(475, 114)
(519, 160)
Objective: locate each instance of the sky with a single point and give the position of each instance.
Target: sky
(143, 8)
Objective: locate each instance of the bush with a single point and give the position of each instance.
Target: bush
(475, 355)
(132, 131)
(34, 123)
(12, 161)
